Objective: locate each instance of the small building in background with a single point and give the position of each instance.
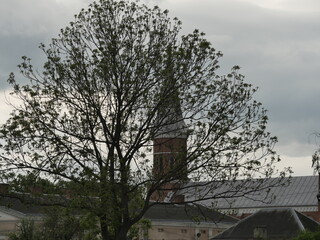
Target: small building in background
(271, 224)
(13, 211)
(184, 222)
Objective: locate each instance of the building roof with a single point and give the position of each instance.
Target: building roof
(278, 223)
(187, 213)
(27, 204)
(297, 192)
(17, 208)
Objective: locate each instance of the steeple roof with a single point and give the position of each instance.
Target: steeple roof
(170, 118)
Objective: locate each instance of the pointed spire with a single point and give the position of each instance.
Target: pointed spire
(170, 117)
(170, 140)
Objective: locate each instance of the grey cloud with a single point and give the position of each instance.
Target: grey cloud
(37, 17)
(278, 51)
(12, 49)
(26, 24)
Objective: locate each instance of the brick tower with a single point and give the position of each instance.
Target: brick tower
(170, 149)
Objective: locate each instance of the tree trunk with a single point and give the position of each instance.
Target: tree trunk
(122, 234)
(104, 228)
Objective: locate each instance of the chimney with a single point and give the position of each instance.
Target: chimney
(4, 189)
(35, 190)
(68, 193)
(178, 199)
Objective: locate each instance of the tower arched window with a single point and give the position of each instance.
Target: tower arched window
(160, 164)
(171, 161)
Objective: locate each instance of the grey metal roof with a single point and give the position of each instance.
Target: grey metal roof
(298, 192)
(283, 223)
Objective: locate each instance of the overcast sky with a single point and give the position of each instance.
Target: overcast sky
(276, 43)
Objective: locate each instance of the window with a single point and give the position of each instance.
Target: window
(160, 229)
(160, 165)
(184, 230)
(171, 161)
(260, 232)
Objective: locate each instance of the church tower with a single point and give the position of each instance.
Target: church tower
(170, 147)
(169, 151)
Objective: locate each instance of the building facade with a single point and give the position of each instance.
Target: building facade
(184, 222)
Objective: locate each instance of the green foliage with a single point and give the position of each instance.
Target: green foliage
(26, 231)
(142, 226)
(308, 235)
(26, 183)
(59, 223)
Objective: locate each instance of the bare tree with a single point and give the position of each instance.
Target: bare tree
(118, 81)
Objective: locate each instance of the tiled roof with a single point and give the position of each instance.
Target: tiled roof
(280, 223)
(298, 192)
